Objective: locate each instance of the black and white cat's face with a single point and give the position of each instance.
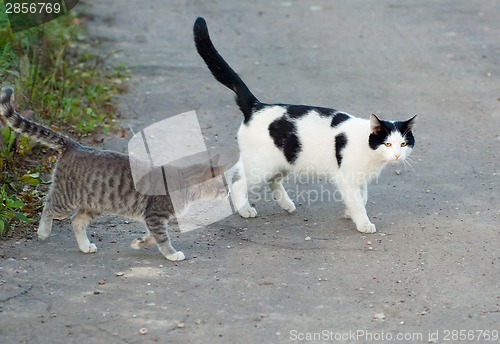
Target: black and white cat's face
(394, 141)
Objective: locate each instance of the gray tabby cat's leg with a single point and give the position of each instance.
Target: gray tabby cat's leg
(353, 196)
(157, 226)
(80, 221)
(51, 210)
(280, 194)
(45, 226)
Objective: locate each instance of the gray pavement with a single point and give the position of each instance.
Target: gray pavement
(433, 267)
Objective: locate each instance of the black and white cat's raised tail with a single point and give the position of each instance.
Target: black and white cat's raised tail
(247, 102)
(275, 139)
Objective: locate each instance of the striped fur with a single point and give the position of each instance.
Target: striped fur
(31, 129)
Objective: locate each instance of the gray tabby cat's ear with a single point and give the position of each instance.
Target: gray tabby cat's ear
(375, 124)
(218, 170)
(214, 159)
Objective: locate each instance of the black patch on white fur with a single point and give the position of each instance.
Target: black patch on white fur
(338, 118)
(298, 111)
(406, 132)
(379, 136)
(256, 107)
(284, 134)
(340, 143)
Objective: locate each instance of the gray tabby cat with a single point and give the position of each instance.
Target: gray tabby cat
(89, 182)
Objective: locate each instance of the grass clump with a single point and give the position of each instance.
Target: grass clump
(66, 86)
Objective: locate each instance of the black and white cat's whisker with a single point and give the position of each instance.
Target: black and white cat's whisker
(407, 162)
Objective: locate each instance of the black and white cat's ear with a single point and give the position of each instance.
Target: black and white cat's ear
(411, 122)
(375, 123)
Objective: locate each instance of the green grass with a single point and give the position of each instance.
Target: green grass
(54, 74)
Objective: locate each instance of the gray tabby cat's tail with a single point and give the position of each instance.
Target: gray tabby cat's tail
(222, 71)
(28, 128)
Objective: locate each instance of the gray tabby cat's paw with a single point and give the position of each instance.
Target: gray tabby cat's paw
(42, 234)
(136, 244)
(44, 229)
(367, 228)
(89, 249)
(139, 243)
(175, 257)
(248, 212)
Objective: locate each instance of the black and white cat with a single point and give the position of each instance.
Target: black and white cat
(275, 139)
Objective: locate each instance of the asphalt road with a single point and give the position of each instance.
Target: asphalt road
(432, 269)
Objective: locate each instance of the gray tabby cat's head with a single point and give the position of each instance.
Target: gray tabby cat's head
(191, 181)
(205, 180)
(393, 140)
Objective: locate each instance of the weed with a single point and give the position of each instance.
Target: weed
(55, 75)
(10, 209)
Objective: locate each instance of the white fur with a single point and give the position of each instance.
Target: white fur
(80, 222)
(175, 257)
(261, 160)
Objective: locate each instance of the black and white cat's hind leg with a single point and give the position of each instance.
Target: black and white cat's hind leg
(246, 182)
(239, 194)
(240, 188)
(280, 194)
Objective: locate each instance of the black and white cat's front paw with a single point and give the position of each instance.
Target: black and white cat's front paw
(367, 228)
(347, 214)
(247, 211)
(287, 204)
